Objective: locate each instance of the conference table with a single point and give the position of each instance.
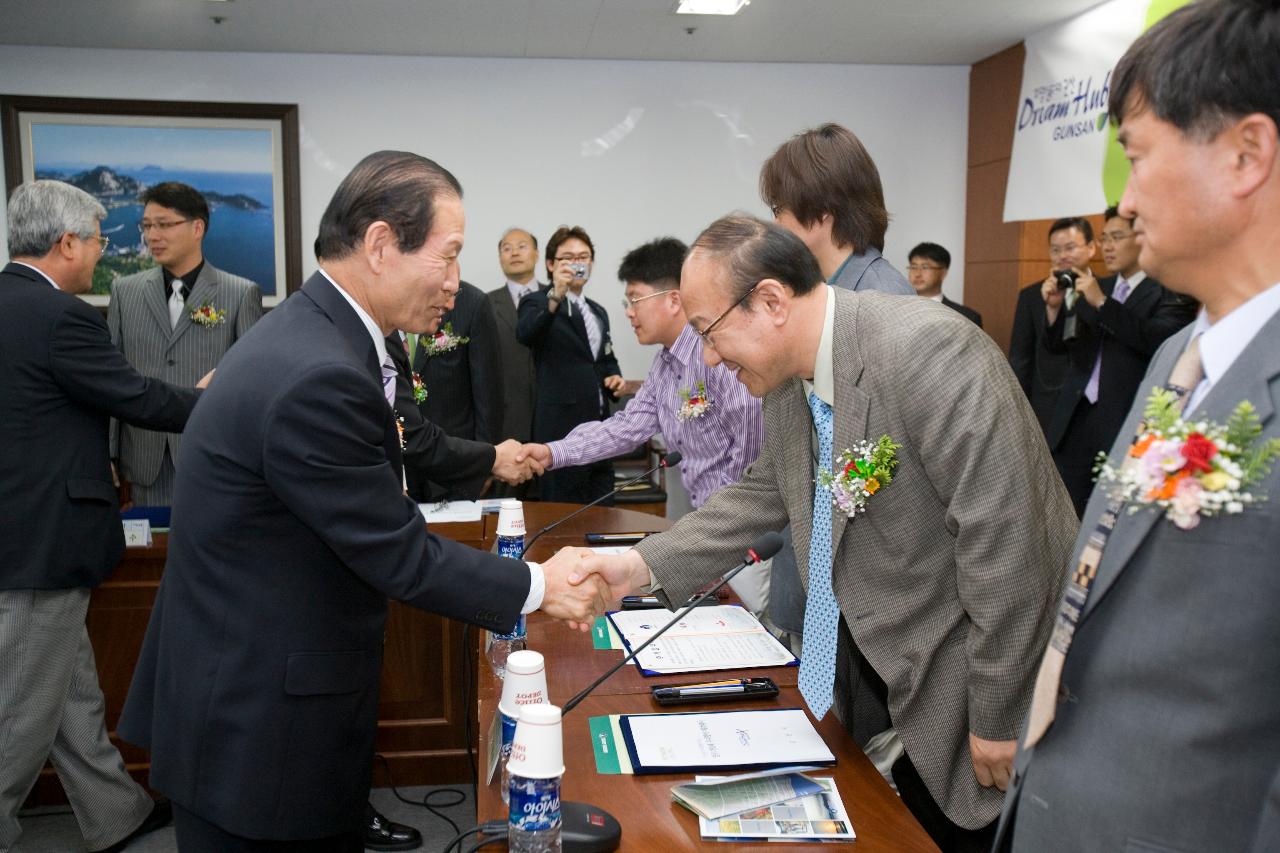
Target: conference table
(642, 804)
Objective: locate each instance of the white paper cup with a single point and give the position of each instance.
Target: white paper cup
(525, 682)
(511, 518)
(537, 752)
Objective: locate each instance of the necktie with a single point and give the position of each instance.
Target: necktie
(1091, 390)
(389, 380)
(176, 303)
(821, 615)
(1186, 375)
(593, 325)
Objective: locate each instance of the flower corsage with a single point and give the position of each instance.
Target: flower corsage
(863, 470)
(207, 315)
(1190, 469)
(419, 388)
(444, 340)
(693, 402)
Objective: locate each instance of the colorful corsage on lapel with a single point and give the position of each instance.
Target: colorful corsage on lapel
(400, 430)
(444, 340)
(419, 388)
(1190, 469)
(863, 470)
(693, 402)
(207, 315)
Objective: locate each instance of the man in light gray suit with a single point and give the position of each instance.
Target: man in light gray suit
(823, 186)
(518, 255)
(946, 583)
(1160, 728)
(173, 322)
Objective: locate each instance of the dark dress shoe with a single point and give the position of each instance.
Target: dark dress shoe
(161, 815)
(383, 834)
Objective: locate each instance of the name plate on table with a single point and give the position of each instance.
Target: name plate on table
(137, 532)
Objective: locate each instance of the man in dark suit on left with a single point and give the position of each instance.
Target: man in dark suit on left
(927, 267)
(61, 381)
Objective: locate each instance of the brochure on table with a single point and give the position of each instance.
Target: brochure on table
(816, 817)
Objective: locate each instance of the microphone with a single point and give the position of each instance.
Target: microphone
(763, 549)
(672, 458)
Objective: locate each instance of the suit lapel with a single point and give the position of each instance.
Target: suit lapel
(852, 403)
(202, 291)
(1248, 379)
(153, 295)
(579, 326)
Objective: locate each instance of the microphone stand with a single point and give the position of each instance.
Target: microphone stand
(764, 548)
(672, 458)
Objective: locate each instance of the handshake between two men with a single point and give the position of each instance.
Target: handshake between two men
(582, 584)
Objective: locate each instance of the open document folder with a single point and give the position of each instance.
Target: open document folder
(707, 638)
(717, 740)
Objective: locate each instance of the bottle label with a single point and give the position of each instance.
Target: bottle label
(511, 546)
(517, 633)
(508, 734)
(535, 804)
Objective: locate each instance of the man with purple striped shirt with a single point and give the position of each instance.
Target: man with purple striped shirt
(704, 412)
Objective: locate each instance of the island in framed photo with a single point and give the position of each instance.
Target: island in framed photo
(241, 157)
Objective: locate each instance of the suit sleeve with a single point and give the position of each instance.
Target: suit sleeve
(1141, 334)
(429, 452)
(485, 354)
(1022, 342)
(709, 541)
(94, 373)
(607, 364)
(325, 459)
(533, 320)
(1013, 525)
(250, 309)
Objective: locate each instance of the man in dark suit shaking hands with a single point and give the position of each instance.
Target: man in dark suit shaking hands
(257, 686)
(61, 381)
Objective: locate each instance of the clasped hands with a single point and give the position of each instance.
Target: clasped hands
(581, 584)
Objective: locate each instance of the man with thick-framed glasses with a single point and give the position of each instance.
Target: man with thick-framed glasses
(927, 266)
(701, 411)
(576, 367)
(173, 322)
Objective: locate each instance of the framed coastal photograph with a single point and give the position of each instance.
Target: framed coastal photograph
(242, 157)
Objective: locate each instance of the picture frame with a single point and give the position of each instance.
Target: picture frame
(242, 156)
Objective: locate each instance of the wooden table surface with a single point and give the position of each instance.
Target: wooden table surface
(650, 820)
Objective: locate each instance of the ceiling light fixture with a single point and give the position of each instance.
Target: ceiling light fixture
(710, 7)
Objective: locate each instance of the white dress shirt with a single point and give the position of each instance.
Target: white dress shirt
(1222, 342)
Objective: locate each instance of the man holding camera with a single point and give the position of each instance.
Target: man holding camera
(1039, 370)
(1108, 329)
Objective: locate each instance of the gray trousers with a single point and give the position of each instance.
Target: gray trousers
(159, 492)
(52, 707)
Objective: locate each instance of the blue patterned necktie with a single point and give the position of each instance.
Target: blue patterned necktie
(821, 615)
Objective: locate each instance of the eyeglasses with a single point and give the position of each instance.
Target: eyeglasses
(103, 242)
(575, 259)
(1069, 249)
(628, 302)
(705, 334)
(1115, 236)
(923, 267)
(144, 226)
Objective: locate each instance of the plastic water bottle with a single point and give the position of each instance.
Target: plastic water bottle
(534, 824)
(510, 544)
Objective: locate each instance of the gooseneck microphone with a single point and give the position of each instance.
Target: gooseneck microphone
(763, 549)
(672, 458)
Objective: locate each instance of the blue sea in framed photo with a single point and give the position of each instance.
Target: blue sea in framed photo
(115, 164)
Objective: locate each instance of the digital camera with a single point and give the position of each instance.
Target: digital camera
(1066, 279)
(579, 269)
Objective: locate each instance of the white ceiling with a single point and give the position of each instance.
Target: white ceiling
(917, 32)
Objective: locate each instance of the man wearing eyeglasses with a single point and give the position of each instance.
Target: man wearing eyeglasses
(60, 382)
(1040, 372)
(701, 411)
(927, 266)
(932, 604)
(576, 367)
(153, 320)
(1121, 320)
